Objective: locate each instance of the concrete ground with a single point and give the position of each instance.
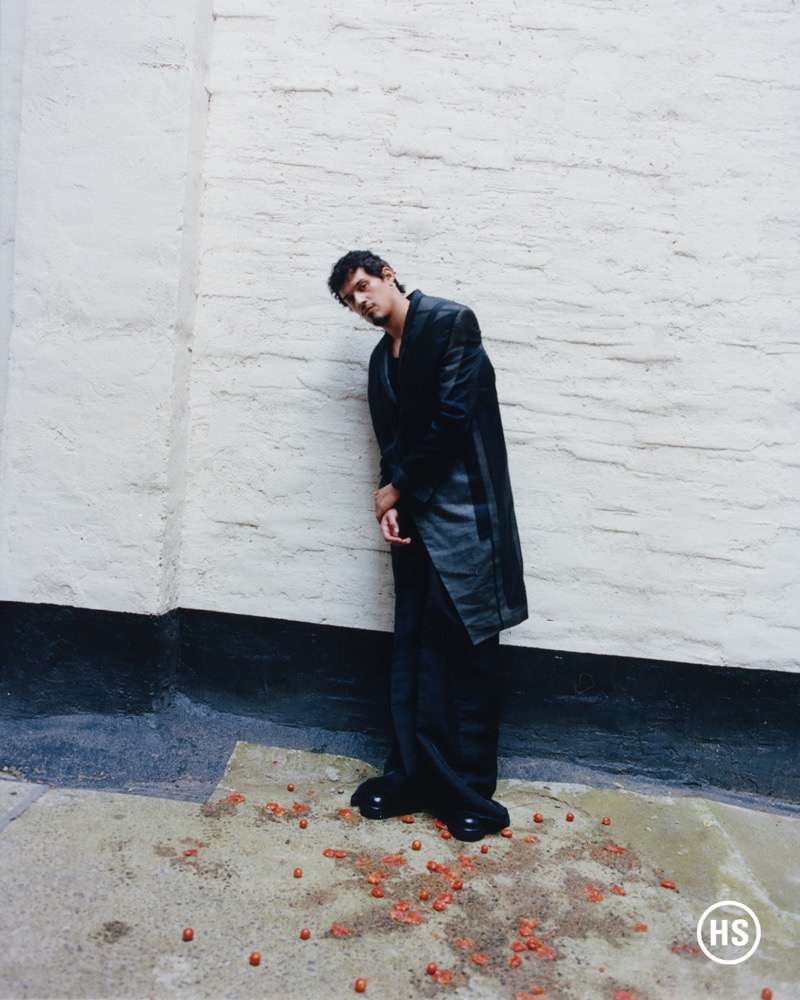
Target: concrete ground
(97, 888)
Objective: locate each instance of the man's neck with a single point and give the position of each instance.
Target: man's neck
(397, 323)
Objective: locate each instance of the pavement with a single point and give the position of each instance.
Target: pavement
(97, 887)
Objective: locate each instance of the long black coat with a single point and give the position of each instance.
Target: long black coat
(442, 445)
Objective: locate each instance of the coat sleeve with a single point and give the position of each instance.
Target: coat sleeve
(457, 392)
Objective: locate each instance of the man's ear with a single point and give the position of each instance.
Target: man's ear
(387, 274)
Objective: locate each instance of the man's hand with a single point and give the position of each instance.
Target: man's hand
(390, 528)
(385, 499)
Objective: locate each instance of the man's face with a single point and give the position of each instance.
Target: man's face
(374, 298)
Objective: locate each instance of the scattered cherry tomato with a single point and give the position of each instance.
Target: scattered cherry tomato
(641, 928)
(766, 993)
(188, 933)
(446, 835)
(508, 834)
(484, 848)
(377, 892)
(416, 845)
(514, 962)
(255, 958)
(442, 977)
(440, 906)
(340, 854)
(538, 818)
(667, 883)
(517, 946)
(360, 985)
(424, 894)
(479, 958)
(407, 819)
(305, 934)
(457, 884)
(235, 798)
(290, 787)
(298, 873)
(606, 821)
(190, 853)
(339, 931)
(303, 824)
(329, 853)
(432, 866)
(431, 968)
(570, 817)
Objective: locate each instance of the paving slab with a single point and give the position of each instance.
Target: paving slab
(98, 887)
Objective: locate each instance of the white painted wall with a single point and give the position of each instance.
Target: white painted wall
(109, 178)
(611, 188)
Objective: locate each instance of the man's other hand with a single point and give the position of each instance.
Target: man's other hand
(385, 498)
(390, 528)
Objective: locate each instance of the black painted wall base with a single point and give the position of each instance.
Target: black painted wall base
(687, 724)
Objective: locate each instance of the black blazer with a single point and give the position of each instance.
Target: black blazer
(442, 445)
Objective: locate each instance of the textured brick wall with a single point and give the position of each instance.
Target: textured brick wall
(612, 188)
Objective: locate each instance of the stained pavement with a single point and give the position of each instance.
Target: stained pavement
(98, 886)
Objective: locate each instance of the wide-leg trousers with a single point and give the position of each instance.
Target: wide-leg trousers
(444, 695)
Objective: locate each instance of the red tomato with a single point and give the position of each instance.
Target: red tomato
(329, 853)
(188, 933)
(305, 934)
(190, 853)
(432, 866)
(290, 787)
(514, 962)
(360, 985)
(766, 993)
(440, 906)
(606, 821)
(407, 819)
(446, 835)
(641, 928)
(458, 884)
(570, 817)
(508, 834)
(538, 818)
(298, 873)
(431, 968)
(377, 892)
(416, 845)
(424, 894)
(479, 958)
(667, 884)
(484, 848)
(255, 958)
(303, 824)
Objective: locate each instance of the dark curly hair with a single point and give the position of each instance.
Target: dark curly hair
(352, 261)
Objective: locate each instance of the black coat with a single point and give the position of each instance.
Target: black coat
(442, 445)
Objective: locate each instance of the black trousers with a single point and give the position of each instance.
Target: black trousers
(444, 693)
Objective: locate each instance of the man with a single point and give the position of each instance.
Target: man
(444, 505)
